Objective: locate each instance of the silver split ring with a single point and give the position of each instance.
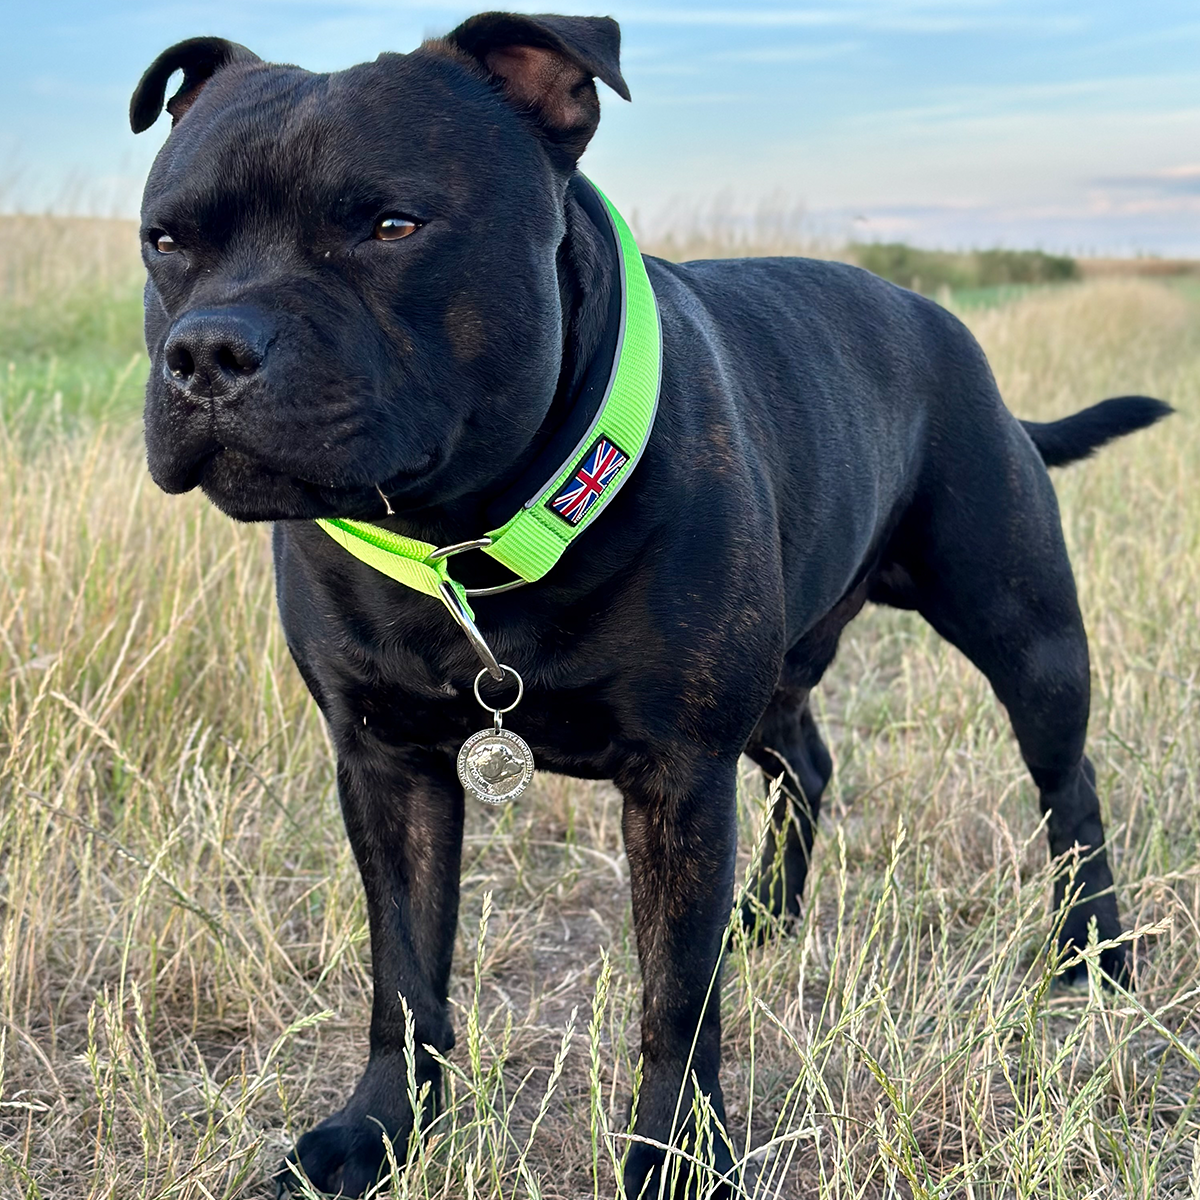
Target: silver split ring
(505, 669)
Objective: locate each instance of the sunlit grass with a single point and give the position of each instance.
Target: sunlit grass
(185, 987)
(70, 317)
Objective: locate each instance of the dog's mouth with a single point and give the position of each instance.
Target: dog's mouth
(248, 489)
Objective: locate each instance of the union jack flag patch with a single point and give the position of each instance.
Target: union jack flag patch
(573, 501)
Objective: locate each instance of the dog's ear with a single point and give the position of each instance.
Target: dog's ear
(199, 59)
(546, 65)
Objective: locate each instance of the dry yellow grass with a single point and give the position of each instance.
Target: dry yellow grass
(184, 984)
(53, 256)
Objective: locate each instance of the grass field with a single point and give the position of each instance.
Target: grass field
(184, 985)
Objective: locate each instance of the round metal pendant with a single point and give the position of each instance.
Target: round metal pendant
(495, 765)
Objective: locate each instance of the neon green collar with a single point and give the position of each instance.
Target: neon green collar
(533, 539)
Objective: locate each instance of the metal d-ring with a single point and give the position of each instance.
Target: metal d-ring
(478, 643)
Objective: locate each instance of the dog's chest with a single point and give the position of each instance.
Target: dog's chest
(574, 731)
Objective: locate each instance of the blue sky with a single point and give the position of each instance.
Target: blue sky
(1067, 124)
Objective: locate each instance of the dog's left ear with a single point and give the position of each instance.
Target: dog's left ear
(546, 65)
(199, 59)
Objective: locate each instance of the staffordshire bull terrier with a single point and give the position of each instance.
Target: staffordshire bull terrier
(386, 294)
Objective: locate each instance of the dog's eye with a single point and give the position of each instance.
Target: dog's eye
(164, 243)
(393, 227)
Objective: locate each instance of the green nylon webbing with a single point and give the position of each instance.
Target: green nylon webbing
(401, 558)
(533, 540)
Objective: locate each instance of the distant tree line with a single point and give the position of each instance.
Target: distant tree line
(931, 270)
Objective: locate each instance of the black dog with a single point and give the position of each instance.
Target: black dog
(391, 278)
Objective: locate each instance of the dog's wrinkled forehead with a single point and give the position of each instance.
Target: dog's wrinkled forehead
(504, 97)
(287, 143)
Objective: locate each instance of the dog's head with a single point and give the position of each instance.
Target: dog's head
(353, 278)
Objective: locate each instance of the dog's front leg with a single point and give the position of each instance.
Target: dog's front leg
(680, 828)
(403, 809)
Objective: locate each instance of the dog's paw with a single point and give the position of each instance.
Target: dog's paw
(762, 924)
(343, 1156)
(707, 1172)
(1114, 968)
(1115, 964)
(643, 1173)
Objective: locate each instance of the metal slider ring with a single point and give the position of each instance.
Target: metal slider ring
(459, 548)
(476, 544)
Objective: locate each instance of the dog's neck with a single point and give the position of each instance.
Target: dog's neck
(588, 275)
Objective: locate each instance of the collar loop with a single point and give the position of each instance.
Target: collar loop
(531, 541)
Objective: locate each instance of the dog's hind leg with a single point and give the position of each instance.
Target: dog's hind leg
(787, 746)
(981, 556)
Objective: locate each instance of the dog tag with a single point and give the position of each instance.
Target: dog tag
(495, 765)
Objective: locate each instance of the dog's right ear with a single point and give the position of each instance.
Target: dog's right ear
(199, 59)
(546, 66)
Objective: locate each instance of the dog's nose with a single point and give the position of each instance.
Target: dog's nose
(215, 352)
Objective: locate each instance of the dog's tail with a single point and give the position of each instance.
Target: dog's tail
(1077, 436)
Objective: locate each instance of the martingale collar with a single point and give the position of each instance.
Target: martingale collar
(533, 539)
